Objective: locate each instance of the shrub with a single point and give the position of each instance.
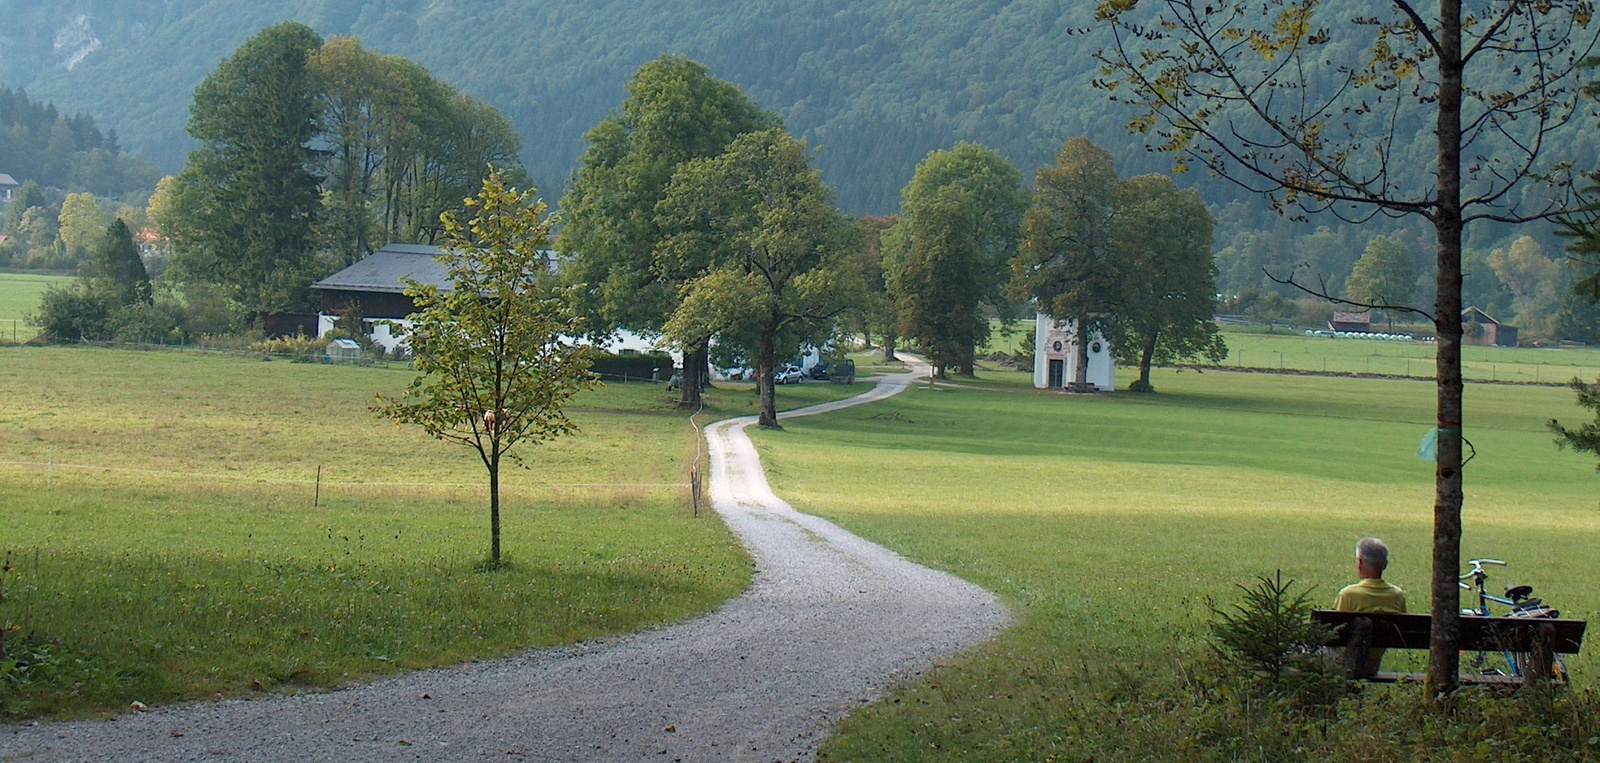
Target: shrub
(616, 367)
(71, 313)
(1269, 634)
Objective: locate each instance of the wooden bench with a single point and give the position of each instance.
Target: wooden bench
(1361, 632)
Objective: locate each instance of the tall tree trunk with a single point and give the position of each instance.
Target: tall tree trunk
(888, 347)
(1443, 659)
(494, 507)
(1144, 362)
(969, 361)
(765, 363)
(694, 368)
(1080, 375)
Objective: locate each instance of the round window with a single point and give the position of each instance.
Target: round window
(1095, 348)
(1058, 345)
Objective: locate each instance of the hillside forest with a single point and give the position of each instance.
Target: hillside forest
(874, 88)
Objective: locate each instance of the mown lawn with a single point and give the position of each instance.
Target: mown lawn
(1109, 523)
(164, 536)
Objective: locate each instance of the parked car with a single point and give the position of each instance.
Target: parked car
(788, 375)
(819, 372)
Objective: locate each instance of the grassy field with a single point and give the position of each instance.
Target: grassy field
(1414, 359)
(1108, 523)
(165, 537)
(19, 296)
(1254, 350)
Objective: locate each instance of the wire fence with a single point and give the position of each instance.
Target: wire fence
(53, 475)
(1397, 364)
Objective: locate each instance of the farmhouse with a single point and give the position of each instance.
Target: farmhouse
(1055, 356)
(1359, 322)
(374, 288)
(1478, 328)
(8, 187)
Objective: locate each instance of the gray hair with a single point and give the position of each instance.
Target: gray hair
(1373, 553)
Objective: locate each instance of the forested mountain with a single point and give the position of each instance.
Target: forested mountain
(873, 84)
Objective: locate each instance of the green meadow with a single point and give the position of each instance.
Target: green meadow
(19, 296)
(1297, 352)
(166, 537)
(1110, 524)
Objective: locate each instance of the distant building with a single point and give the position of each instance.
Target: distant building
(1477, 327)
(1055, 356)
(1361, 322)
(8, 188)
(375, 286)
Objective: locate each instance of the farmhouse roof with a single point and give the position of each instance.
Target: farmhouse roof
(7, 179)
(1342, 317)
(1477, 315)
(383, 270)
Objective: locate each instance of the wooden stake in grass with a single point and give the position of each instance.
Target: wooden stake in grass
(494, 365)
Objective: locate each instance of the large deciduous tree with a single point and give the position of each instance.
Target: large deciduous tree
(777, 251)
(675, 112)
(1067, 265)
(990, 191)
(1162, 235)
(1234, 86)
(1385, 275)
(253, 174)
(493, 355)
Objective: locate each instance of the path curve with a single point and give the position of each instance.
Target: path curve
(827, 624)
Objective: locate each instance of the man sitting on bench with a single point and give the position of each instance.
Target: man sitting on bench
(1372, 594)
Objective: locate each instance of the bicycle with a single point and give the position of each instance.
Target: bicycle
(1522, 604)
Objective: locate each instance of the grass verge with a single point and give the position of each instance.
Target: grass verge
(1108, 524)
(166, 537)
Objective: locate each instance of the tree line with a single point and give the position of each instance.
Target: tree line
(312, 154)
(694, 215)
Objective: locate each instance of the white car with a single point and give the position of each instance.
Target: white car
(788, 375)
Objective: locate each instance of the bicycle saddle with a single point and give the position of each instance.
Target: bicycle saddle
(1518, 593)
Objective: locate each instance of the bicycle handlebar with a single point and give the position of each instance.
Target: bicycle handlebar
(1477, 567)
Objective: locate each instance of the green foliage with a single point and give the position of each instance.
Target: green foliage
(1162, 236)
(939, 282)
(1268, 634)
(675, 112)
(1386, 275)
(776, 247)
(633, 367)
(252, 177)
(494, 368)
(958, 230)
(38, 144)
(1586, 438)
(1066, 266)
(73, 312)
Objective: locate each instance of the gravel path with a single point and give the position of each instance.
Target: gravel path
(828, 623)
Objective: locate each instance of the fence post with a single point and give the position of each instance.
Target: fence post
(316, 498)
(694, 490)
(50, 468)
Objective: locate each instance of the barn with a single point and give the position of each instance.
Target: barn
(1477, 327)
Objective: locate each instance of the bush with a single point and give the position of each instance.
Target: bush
(298, 346)
(149, 322)
(1269, 636)
(609, 366)
(72, 313)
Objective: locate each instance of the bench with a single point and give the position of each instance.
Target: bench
(1541, 638)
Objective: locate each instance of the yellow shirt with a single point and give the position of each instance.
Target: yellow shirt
(1371, 595)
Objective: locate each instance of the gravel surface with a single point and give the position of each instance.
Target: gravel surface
(828, 624)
